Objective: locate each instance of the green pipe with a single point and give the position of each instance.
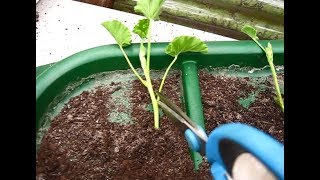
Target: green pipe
(192, 97)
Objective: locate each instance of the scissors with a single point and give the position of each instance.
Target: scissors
(234, 150)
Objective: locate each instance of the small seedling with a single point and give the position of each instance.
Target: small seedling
(250, 31)
(179, 45)
(151, 9)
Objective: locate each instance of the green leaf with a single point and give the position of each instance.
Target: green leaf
(250, 31)
(149, 8)
(119, 32)
(186, 44)
(142, 28)
(269, 52)
(142, 56)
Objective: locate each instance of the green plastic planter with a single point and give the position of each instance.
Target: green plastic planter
(53, 79)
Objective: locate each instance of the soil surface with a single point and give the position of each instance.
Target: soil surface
(220, 97)
(82, 144)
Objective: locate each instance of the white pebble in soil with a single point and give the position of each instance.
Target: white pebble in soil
(116, 149)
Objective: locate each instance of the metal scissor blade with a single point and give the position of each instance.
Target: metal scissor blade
(175, 112)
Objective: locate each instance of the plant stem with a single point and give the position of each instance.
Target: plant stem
(274, 75)
(154, 103)
(166, 73)
(149, 45)
(275, 80)
(132, 68)
(149, 84)
(142, 58)
(259, 45)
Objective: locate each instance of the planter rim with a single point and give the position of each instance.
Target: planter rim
(216, 48)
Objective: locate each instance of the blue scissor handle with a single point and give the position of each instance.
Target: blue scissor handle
(265, 148)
